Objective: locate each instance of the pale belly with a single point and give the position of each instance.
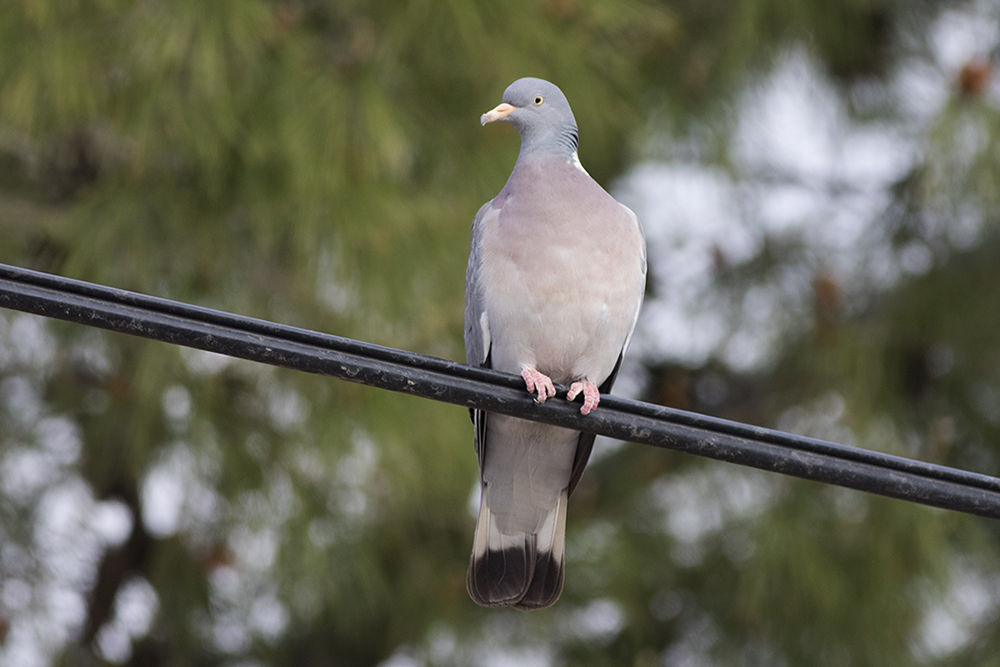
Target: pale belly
(568, 321)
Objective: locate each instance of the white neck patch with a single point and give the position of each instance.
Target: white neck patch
(575, 161)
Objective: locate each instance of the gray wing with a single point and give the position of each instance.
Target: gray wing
(642, 293)
(477, 335)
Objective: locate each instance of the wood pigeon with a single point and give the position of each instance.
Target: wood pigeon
(557, 270)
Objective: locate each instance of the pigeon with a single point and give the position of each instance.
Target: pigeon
(556, 275)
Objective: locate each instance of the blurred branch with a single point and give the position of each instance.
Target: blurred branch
(117, 565)
(484, 389)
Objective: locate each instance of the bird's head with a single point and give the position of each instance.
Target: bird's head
(538, 110)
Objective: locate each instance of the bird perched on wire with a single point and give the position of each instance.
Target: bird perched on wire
(557, 270)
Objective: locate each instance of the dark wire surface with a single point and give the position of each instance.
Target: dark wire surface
(453, 382)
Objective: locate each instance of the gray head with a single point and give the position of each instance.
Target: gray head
(538, 110)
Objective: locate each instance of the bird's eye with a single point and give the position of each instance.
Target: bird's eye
(538, 100)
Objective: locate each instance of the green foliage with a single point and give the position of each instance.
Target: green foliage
(318, 163)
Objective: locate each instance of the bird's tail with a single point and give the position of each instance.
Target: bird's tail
(525, 570)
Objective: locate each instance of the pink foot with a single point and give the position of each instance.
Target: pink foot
(591, 397)
(540, 382)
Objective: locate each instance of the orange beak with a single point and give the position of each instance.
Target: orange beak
(499, 113)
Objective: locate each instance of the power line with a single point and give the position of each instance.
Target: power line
(452, 382)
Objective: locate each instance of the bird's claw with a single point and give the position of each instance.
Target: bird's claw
(591, 396)
(539, 382)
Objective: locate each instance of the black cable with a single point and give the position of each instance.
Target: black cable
(453, 382)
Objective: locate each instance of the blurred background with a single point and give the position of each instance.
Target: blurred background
(819, 185)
